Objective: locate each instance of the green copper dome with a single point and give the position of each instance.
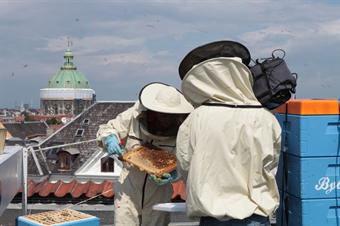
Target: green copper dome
(68, 76)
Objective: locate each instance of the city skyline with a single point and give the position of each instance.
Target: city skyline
(122, 45)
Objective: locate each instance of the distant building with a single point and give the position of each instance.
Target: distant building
(68, 91)
(27, 130)
(9, 115)
(80, 173)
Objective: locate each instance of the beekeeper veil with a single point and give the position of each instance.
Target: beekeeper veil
(165, 109)
(218, 72)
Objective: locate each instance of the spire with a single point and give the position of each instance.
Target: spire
(68, 64)
(69, 42)
(68, 56)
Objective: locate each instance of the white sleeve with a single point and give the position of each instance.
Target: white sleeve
(271, 161)
(184, 147)
(277, 147)
(119, 125)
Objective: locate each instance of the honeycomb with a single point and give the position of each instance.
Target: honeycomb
(57, 216)
(153, 161)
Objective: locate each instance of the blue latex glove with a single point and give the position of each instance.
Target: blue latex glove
(112, 145)
(166, 178)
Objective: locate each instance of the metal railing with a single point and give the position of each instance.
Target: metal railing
(30, 149)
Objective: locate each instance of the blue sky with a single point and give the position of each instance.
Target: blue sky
(122, 45)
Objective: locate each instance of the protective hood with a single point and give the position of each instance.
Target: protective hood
(163, 98)
(223, 80)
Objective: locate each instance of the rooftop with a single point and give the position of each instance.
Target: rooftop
(68, 76)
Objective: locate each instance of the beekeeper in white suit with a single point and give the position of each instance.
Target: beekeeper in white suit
(228, 147)
(155, 120)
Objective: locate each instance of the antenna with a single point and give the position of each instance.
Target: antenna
(69, 42)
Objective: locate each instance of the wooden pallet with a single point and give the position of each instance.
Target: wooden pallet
(57, 216)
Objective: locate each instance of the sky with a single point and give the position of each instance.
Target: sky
(120, 46)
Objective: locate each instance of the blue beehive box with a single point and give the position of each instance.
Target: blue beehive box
(308, 212)
(311, 136)
(311, 139)
(311, 127)
(66, 217)
(308, 176)
(313, 177)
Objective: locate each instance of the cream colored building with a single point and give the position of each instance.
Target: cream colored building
(68, 91)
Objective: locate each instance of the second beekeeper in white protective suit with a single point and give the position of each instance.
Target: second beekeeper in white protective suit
(228, 147)
(153, 120)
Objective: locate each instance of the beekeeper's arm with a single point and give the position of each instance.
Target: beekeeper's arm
(109, 135)
(271, 166)
(185, 145)
(271, 155)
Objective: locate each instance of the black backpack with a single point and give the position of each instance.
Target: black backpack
(273, 81)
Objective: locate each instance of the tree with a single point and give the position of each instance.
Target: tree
(53, 121)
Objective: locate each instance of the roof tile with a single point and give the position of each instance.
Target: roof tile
(108, 189)
(65, 188)
(30, 187)
(94, 189)
(49, 187)
(79, 189)
(89, 189)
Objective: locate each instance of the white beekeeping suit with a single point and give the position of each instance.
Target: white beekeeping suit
(228, 147)
(136, 194)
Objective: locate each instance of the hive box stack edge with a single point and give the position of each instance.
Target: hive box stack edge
(66, 217)
(309, 169)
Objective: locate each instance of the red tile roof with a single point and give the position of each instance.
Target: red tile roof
(79, 188)
(89, 189)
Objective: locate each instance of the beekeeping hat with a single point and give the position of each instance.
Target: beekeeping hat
(164, 98)
(213, 50)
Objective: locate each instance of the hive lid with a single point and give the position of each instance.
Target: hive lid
(311, 107)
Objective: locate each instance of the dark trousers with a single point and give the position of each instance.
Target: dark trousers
(253, 220)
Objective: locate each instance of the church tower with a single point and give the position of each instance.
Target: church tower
(68, 91)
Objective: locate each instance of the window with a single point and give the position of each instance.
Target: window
(79, 132)
(107, 164)
(52, 154)
(81, 107)
(55, 107)
(66, 158)
(64, 161)
(68, 106)
(86, 121)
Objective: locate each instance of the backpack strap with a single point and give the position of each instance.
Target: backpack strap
(232, 105)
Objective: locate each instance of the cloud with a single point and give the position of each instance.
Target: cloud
(124, 44)
(292, 36)
(7, 8)
(91, 44)
(122, 58)
(330, 28)
(148, 27)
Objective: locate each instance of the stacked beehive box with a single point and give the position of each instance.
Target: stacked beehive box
(59, 217)
(309, 171)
